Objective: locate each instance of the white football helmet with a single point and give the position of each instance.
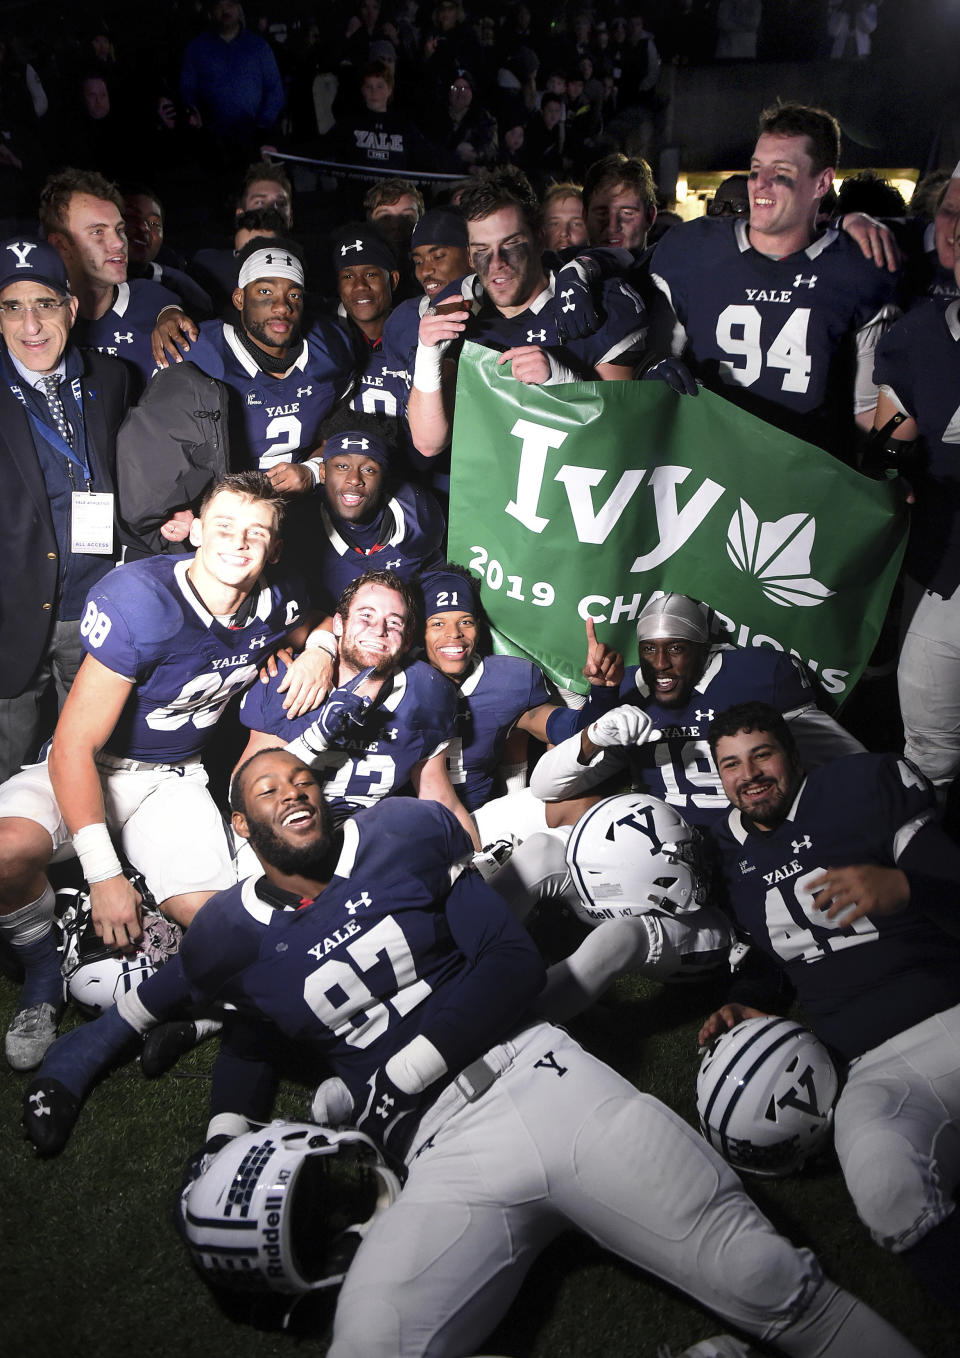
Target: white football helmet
(96, 975)
(634, 855)
(765, 1095)
(283, 1208)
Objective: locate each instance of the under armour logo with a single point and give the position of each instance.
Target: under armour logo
(257, 643)
(279, 259)
(806, 282)
(705, 716)
(352, 907)
(128, 337)
(549, 1062)
(21, 249)
(393, 565)
(568, 306)
(40, 1109)
(799, 844)
(304, 391)
(347, 442)
(534, 336)
(357, 245)
(394, 372)
(391, 733)
(382, 1109)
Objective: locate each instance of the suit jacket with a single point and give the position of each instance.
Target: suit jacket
(28, 544)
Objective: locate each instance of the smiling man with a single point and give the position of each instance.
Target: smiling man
(82, 217)
(509, 308)
(841, 878)
(369, 516)
(169, 642)
(401, 738)
(659, 729)
(773, 315)
(61, 410)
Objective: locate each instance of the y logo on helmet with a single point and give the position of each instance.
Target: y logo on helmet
(641, 818)
(794, 1099)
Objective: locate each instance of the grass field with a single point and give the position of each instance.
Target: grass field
(92, 1268)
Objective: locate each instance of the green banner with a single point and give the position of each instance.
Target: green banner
(584, 500)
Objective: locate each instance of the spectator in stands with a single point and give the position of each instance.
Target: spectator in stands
(467, 132)
(231, 75)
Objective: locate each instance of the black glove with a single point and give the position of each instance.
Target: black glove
(574, 304)
(676, 374)
(386, 1114)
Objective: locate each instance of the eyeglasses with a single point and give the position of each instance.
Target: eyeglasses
(46, 306)
(726, 208)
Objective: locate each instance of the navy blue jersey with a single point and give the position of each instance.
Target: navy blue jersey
(385, 377)
(144, 622)
(193, 298)
(780, 336)
(413, 723)
(387, 951)
(498, 690)
(923, 274)
(678, 766)
(124, 329)
(862, 983)
(918, 366)
(619, 339)
(281, 415)
(406, 537)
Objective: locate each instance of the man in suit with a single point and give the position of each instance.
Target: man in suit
(58, 470)
(59, 414)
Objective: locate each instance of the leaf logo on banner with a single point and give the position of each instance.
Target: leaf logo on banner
(778, 555)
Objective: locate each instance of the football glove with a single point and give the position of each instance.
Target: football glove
(340, 717)
(677, 376)
(387, 1115)
(574, 304)
(626, 725)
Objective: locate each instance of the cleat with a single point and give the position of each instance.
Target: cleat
(31, 1032)
(165, 1044)
(49, 1114)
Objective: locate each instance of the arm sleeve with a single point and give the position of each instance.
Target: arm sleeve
(245, 1073)
(559, 773)
(821, 738)
(506, 974)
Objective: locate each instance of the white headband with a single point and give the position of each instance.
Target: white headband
(270, 264)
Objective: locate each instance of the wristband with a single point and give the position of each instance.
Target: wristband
(514, 776)
(98, 858)
(305, 749)
(428, 368)
(320, 639)
(313, 465)
(415, 1066)
(171, 306)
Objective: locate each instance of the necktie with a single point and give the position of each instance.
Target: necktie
(51, 389)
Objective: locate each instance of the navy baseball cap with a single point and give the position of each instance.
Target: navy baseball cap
(440, 226)
(33, 261)
(361, 244)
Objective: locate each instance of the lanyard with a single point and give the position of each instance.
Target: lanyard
(53, 437)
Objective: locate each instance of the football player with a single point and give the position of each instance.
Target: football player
(657, 737)
(169, 641)
(416, 992)
(367, 278)
(402, 738)
(282, 381)
(843, 880)
(510, 309)
(916, 420)
(772, 315)
(82, 217)
(368, 517)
